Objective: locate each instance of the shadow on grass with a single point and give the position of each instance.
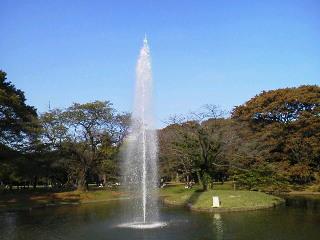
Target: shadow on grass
(194, 197)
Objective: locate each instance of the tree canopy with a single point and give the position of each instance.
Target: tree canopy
(17, 119)
(286, 122)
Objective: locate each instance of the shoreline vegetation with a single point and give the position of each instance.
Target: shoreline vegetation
(174, 194)
(13, 201)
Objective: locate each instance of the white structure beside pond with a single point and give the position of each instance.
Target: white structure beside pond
(215, 202)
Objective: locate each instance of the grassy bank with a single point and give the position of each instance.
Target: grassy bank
(176, 195)
(33, 199)
(230, 200)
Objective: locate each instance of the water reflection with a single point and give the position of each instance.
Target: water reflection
(218, 225)
(298, 219)
(310, 203)
(9, 220)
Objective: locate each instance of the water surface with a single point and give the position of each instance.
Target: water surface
(298, 219)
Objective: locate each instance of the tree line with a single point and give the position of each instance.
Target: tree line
(61, 147)
(271, 142)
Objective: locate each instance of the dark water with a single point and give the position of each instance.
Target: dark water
(298, 219)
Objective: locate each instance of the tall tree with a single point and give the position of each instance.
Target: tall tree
(286, 122)
(82, 133)
(17, 119)
(18, 129)
(198, 142)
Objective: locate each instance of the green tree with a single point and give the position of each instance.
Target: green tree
(176, 154)
(18, 129)
(84, 135)
(197, 143)
(108, 164)
(17, 119)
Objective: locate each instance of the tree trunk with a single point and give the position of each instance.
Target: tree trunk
(104, 178)
(205, 179)
(81, 182)
(204, 186)
(35, 182)
(47, 182)
(177, 177)
(199, 178)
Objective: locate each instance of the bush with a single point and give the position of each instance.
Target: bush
(262, 179)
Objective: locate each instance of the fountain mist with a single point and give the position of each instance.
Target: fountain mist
(140, 161)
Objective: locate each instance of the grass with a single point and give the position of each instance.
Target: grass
(230, 199)
(31, 199)
(175, 194)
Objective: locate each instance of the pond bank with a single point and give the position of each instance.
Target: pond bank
(302, 193)
(32, 200)
(194, 199)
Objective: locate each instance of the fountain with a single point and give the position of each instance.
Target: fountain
(140, 152)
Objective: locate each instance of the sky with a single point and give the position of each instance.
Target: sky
(203, 52)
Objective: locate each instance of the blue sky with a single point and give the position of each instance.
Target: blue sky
(203, 52)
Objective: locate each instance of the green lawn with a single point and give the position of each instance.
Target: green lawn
(230, 199)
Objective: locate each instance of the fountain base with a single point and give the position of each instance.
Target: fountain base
(142, 225)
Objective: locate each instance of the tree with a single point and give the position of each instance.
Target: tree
(109, 150)
(82, 133)
(286, 124)
(17, 119)
(197, 143)
(18, 129)
(176, 154)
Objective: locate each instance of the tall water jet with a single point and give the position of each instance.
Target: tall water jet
(141, 148)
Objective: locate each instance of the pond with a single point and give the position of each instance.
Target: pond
(299, 218)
